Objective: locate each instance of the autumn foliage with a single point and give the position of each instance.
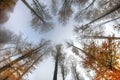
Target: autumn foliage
(6, 4)
(5, 7)
(9, 75)
(104, 59)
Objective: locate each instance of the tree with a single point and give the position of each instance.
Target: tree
(5, 35)
(63, 70)
(81, 10)
(72, 68)
(57, 54)
(85, 10)
(41, 17)
(105, 59)
(5, 7)
(75, 72)
(111, 9)
(91, 13)
(25, 62)
(62, 64)
(101, 58)
(98, 37)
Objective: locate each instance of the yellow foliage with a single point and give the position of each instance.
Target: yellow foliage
(104, 59)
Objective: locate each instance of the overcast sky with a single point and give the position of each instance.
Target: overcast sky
(19, 22)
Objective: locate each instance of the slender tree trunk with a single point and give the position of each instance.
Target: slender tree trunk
(19, 58)
(92, 56)
(37, 7)
(84, 10)
(40, 7)
(1, 61)
(56, 68)
(62, 71)
(103, 15)
(31, 66)
(77, 75)
(99, 37)
(73, 72)
(58, 53)
(24, 1)
(110, 20)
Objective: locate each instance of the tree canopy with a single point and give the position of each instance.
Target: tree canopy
(98, 49)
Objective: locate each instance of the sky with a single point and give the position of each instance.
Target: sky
(20, 23)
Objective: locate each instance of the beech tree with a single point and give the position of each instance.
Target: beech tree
(63, 66)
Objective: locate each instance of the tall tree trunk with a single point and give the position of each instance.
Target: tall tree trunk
(98, 37)
(1, 61)
(77, 75)
(84, 10)
(56, 68)
(93, 57)
(19, 58)
(58, 53)
(103, 15)
(73, 71)
(109, 21)
(30, 66)
(24, 1)
(62, 71)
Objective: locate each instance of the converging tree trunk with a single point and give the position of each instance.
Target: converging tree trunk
(24, 1)
(58, 52)
(103, 15)
(98, 37)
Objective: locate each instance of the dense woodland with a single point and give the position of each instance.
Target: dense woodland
(99, 53)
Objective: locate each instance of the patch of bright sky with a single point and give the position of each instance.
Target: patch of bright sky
(20, 22)
(42, 70)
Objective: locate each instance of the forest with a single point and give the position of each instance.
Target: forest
(92, 53)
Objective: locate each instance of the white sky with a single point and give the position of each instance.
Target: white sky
(19, 22)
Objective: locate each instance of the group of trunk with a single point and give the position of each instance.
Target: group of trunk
(24, 63)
